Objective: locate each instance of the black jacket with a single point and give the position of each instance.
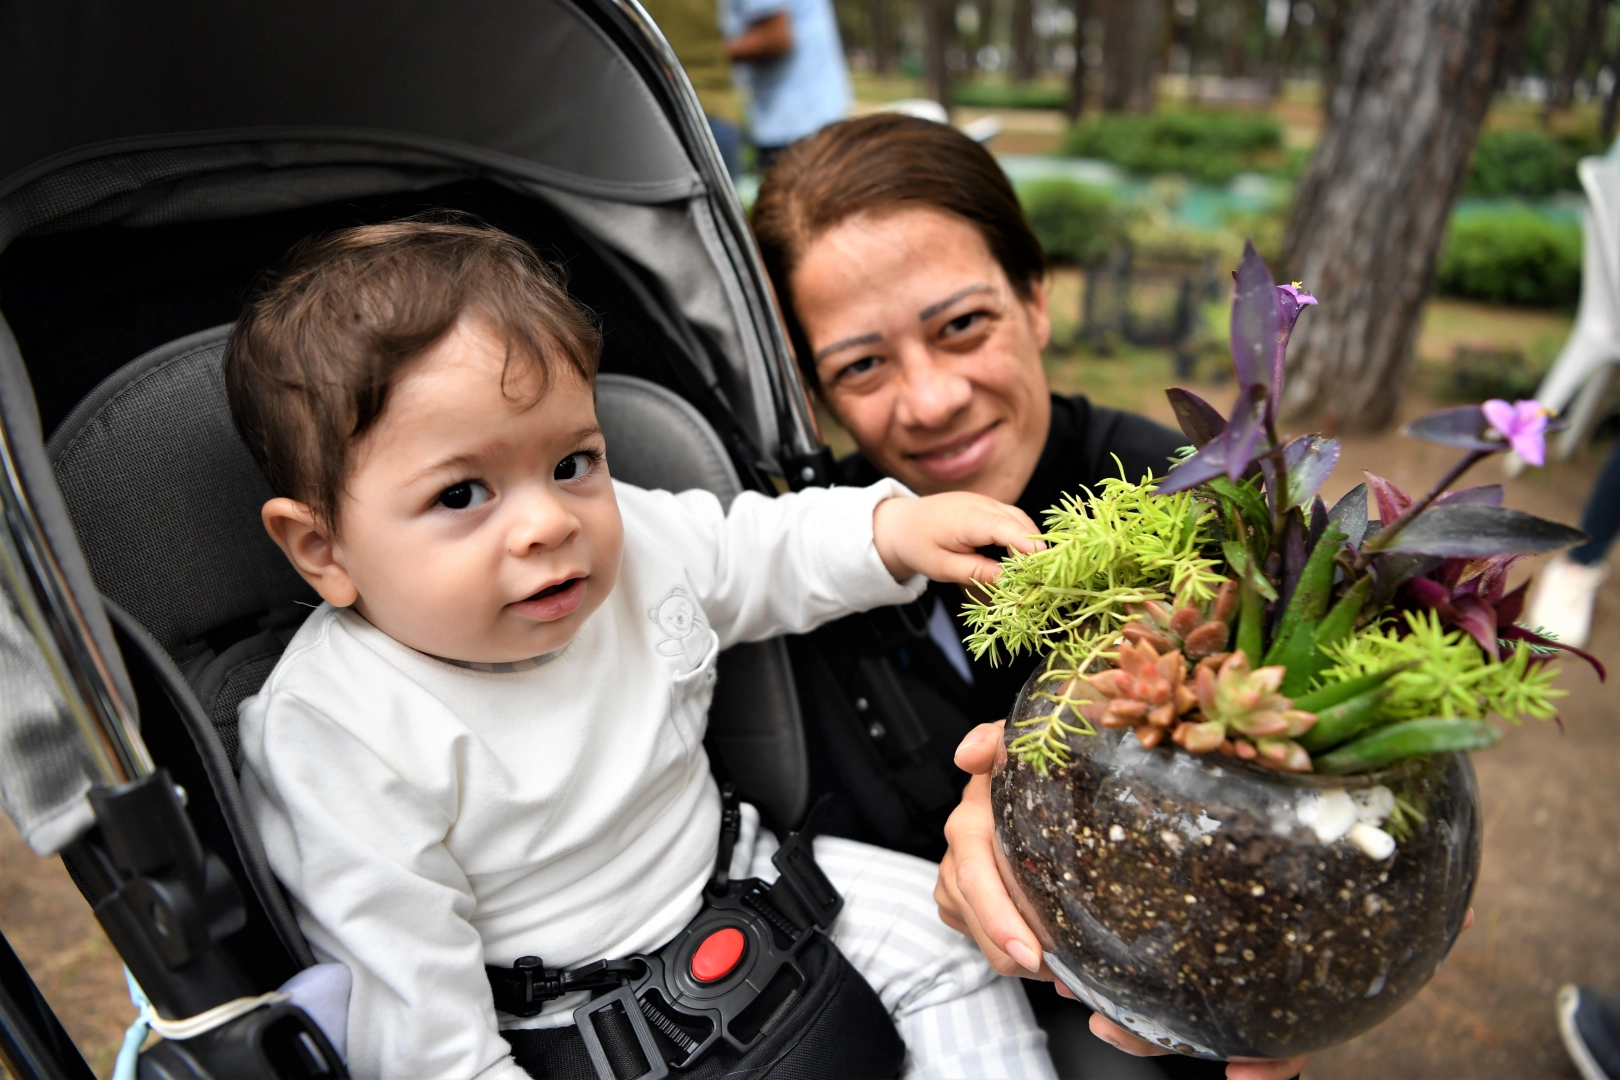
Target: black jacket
(883, 707)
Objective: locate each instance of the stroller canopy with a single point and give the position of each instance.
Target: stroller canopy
(181, 110)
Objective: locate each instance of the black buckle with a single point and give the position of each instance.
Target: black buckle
(524, 988)
(657, 1067)
(796, 863)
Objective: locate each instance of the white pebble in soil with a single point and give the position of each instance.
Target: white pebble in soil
(1374, 804)
(1330, 814)
(1374, 842)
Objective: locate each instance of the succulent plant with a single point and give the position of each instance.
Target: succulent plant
(1196, 630)
(1146, 691)
(1245, 705)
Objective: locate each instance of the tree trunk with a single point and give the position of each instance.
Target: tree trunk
(1237, 42)
(1611, 98)
(1414, 83)
(1076, 103)
(884, 57)
(1579, 40)
(939, 26)
(1335, 21)
(1131, 33)
(1023, 41)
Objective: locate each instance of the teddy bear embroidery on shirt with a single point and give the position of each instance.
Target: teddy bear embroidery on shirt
(683, 623)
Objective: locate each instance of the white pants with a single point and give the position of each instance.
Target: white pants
(960, 1020)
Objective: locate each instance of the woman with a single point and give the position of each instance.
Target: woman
(914, 295)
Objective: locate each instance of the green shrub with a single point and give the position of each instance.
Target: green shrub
(1524, 163)
(1077, 224)
(995, 95)
(1512, 257)
(1211, 147)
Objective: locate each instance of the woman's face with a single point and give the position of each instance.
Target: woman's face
(925, 353)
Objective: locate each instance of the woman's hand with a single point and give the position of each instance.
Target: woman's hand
(973, 900)
(938, 536)
(1236, 1069)
(970, 893)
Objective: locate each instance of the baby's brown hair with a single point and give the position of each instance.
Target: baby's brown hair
(310, 361)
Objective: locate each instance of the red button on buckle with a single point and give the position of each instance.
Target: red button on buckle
(718, 954)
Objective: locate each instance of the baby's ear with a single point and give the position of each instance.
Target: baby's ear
(308, 546)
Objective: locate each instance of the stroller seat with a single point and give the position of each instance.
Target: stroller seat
(165, 500)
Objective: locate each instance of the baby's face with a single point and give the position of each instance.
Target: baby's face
(475, 526)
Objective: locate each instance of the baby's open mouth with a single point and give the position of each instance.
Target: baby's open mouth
(552, 602)
(553, 590)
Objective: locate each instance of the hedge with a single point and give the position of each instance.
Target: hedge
(1211, 147)
(1076, 224)
(992, 95)
(1529, 164)
(1512, 257)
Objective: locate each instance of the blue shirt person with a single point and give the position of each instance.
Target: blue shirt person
(788, 56)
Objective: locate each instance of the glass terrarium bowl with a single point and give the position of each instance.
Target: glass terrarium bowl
(1194, 899)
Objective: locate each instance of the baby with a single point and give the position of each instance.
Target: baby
(488, 742)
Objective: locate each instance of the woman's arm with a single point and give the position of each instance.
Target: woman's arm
(973, 899)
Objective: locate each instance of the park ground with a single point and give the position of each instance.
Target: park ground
(1545, 901)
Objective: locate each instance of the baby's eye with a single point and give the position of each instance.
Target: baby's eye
(463, 495)
(575, 466)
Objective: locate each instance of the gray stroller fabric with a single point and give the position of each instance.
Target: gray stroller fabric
(165, 498)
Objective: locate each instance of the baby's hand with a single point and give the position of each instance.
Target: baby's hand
(937, 536)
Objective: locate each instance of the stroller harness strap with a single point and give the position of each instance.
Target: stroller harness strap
(747, 988)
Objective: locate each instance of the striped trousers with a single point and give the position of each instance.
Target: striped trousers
(960, 1020)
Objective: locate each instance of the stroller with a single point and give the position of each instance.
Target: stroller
(155, 159)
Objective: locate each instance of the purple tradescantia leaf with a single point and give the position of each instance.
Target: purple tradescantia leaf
(1200, 421)
(1202, 467)
(1464, 610)
(1484, 495)
(1255, 320)
(1519, 633)
(1464, 427)
(1392, 501)
(1291, 300)
(1350, 514)
(1310, 460)
(1229, 453)
(1476, 531)
(1245, 434)
(1390, 572)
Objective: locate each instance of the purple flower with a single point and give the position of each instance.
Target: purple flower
(1291, 300)
(1523, 424)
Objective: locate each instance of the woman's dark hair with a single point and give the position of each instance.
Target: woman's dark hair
(878, 163)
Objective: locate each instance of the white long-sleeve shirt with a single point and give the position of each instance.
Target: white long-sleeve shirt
(428, 818)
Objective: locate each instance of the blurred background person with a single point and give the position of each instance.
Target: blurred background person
(1590, 1025)
(788, 56)
(1568, 590)
(692, 28)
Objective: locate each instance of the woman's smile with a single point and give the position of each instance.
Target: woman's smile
(961, 457)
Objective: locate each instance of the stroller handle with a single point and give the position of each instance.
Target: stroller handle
(55, 621)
